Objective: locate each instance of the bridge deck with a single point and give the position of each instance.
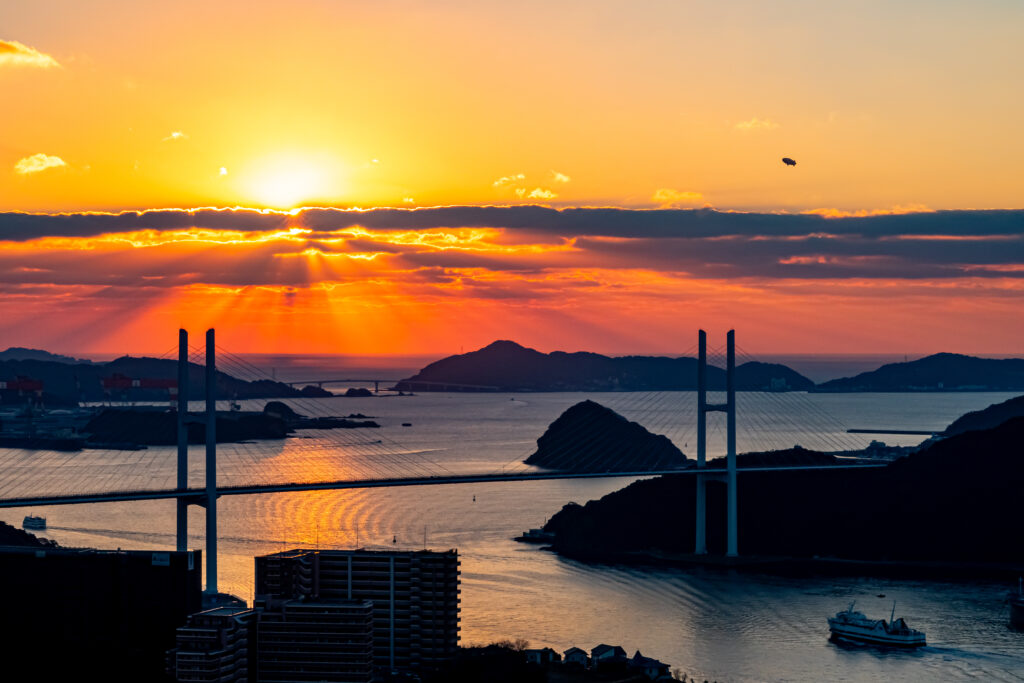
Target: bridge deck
(198, 493)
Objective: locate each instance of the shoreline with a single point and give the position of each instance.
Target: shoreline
(804, 566)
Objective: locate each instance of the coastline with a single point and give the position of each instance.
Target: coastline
(803, 566)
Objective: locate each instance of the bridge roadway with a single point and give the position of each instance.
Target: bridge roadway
(199, 493)
(320, 382)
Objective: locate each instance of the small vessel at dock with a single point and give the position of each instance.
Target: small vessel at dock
(536, 536)
(854, 626)
(33, 522)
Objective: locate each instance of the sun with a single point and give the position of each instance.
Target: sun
(290, 182)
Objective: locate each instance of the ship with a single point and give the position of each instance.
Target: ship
(536, 536)
(33, 522)
(854, 626)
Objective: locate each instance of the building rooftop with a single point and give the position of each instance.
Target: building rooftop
(225, 611)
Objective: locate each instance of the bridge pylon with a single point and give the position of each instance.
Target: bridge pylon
(182, 416)
(729, 408)
(207, 499)
(211, 464)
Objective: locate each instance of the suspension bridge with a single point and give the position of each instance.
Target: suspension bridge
(406, 384)
(362, 458)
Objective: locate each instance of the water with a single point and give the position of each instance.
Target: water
(710, 624)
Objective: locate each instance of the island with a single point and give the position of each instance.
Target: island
(589, 437)
(938, 372)
(954, 501)
(129, 428)
(57, 383)
(507, 366)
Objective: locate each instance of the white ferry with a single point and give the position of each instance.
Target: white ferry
(850, 625)
(33, 522)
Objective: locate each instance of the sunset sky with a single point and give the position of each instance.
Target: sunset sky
(571, 175)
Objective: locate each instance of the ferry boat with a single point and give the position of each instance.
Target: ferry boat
(33, 522)
(850, 625)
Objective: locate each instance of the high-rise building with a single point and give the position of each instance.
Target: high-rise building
(216, 645)
(313, 640)
(109, 612)
(415, 597)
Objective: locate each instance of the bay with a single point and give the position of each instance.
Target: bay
(718, 625)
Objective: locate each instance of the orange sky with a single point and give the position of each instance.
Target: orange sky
(114, 106)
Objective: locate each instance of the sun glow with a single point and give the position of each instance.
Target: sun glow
(290, 182)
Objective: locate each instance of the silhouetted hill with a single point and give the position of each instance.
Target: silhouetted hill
(589, 437)
(986, 418)
(507, 366)
(66, 383)
(957, 500)
(796, 455)
(21, 353)
(940, 372)
(10, 535)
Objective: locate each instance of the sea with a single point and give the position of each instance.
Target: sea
(711, 624)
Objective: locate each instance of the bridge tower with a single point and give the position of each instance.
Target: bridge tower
(182, 482)
(211, 464)
(703, 408)
(207, 500)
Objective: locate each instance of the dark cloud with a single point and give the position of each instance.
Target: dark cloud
(690, 243)
(571, 222)
(19, 227)
(815, 257)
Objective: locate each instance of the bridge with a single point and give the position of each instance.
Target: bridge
(196, 495)
(409, 385)
(366, 462)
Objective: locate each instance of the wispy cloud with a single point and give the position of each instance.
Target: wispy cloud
(756, 124)
(176, 135)
(669, 198)
(541, 193)
(13, 53)
(559, 177)
(38, 162)
(509, 180)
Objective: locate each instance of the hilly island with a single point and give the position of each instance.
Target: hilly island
(954, 501)
(507, 366)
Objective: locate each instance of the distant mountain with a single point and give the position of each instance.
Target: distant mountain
(507, 366)
(20, 353)
(940, 372)
(64, 383)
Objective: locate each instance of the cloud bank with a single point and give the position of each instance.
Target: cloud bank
(699, 243)
(312, 278)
